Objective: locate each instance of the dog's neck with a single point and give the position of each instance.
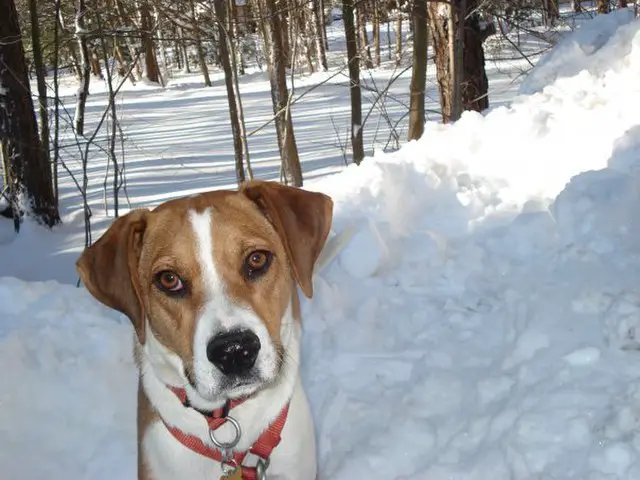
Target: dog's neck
(161, 368)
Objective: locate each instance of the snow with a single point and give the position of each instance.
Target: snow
(483, 322)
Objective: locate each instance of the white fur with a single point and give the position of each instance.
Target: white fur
(295, 457)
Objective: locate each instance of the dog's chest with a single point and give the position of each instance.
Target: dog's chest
(168, 459)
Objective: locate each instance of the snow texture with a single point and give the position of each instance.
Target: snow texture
(482, 324)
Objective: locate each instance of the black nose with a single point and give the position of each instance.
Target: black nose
(234, 353)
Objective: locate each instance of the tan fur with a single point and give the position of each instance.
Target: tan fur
(146, 417)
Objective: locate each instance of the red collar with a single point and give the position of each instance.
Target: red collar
(262, 448)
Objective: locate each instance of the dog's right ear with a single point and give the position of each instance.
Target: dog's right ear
(109, 268)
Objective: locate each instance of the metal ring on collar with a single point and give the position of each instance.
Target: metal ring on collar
(261, 469)
(232, 443)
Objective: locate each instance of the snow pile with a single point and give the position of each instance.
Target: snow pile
(606, 44)
(483, 323)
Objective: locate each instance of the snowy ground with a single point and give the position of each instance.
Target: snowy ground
(482, 325)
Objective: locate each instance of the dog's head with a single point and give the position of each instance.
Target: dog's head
(209, 281)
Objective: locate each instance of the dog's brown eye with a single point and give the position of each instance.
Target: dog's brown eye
(169, 281)
(257, 263)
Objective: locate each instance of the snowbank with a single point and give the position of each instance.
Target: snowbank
(482, 325)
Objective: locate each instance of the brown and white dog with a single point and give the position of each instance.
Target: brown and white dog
(209, 283)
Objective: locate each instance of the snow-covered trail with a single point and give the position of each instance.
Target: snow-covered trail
(482, 324)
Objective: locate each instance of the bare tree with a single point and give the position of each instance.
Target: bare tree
(148, 45)
(85, 67)
(457, 34)
(376, 33)
(361, 21)
(40, 74)
(225, 52)
(398, 31)
(280, 96)
(353, 60)
(317, 18)
(419, 72)
(201, 57)
(28, 172)
(603, 6)
(183, 50)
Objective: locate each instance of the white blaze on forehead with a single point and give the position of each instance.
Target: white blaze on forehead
(218, 312)
(201, 223)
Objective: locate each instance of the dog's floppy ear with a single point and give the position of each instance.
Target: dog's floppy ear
(302, 220)
(109, 267)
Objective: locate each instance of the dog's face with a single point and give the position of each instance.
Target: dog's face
(208, 281)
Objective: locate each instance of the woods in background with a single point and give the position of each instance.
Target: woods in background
(117, 41)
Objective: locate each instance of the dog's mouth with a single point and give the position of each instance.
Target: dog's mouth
(235, 386)
(229, 387)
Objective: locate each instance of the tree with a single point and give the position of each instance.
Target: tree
(353, 60)
(318, 29)
(457, 36)
(419, 72)
(40, 73)
(29, 173)
(151, 71)
(376, 33)
(85, 67)
(202, 60)
(361, 20)
(225, 52)
(280, 97)
(603, 6)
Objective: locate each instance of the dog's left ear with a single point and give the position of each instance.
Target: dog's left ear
(302, 220)
(109, 268)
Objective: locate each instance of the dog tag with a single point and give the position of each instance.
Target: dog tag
(235, 475)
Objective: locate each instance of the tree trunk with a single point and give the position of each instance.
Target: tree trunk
(603, 6)
(125, 20)
(160, 35)
(398, 37)
(201, 57)
(550, 12)
(280, 10)
(318, 39)
(365, 47)
(225, 49)
(85, 68)
(323, 24)
(96, 70)
(183, 50)
(577, 6)
(473, 84)
(419, 72)
(304, 30)
(280, 97)
(40, 74)
(376, 33)
(71, 51)
(235, 69)
(29, 172)
(56, 103)
(202, 60)
(236, 33)
(148, 46)
(354, 80)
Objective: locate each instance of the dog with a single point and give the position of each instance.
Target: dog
(210, 284)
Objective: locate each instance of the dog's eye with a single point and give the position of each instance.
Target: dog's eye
(169, 282)
(257, 263)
